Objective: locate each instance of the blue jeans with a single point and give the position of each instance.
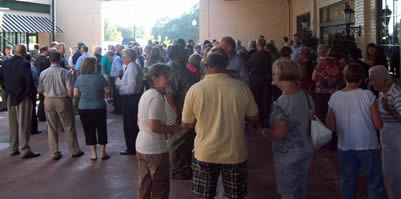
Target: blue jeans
(350, 164)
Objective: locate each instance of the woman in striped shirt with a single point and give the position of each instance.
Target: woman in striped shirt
(390, 110)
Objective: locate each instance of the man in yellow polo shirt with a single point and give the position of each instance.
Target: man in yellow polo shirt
(217, 107)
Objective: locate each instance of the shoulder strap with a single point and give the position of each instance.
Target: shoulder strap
(307, 99)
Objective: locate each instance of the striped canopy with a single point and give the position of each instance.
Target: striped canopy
(22, 23)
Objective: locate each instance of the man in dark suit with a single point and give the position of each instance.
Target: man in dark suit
(42, 63)
(16, 78)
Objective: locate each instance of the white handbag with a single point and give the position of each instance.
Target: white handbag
(320, 134)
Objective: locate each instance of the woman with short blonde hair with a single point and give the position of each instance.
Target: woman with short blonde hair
(287, 70)
(289, 119)
(92, 88)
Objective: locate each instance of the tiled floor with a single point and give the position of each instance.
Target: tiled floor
(69, 178)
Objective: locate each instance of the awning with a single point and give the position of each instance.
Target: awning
(23, 23)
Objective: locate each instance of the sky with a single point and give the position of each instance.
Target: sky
(144, 12)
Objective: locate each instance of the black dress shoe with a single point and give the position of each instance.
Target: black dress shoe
(105, 157)
(77, 155)
(126, 152)
(57, 157)
(14, 153)
(30, 155)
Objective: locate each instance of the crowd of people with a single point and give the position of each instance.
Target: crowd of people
(185, 109)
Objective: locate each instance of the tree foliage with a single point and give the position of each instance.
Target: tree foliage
(173, 29)
(119, 33)
(111, 32)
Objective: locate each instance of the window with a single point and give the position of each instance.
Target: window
(303, 18)
(389, 32)
(332, 19)
(13, 38)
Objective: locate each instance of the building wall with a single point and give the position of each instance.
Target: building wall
(244, 20)
(299, 7)
(80, 23)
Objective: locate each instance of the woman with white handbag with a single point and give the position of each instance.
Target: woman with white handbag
(292, 145)
(354, 115)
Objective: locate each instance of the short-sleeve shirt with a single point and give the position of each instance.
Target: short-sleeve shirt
(79, 62)
(329, 75)
(107, 64)
(116, 66)
(294, 110)
(55, 82)
(219, 104)
(151, 107)
(354, 123)
(394, 102)
(91, 88)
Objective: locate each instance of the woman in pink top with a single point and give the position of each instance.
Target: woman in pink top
(193, 65)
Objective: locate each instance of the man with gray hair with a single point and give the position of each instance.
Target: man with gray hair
(98, 55)
(130, 88)
(61, 50)
(57, 85)
(251, 47)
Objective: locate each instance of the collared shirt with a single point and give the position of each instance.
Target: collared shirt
(181, 80)
(237, 64)
(75, 57)
(117, 66)
(219, 105)
(35, 75)
(394, 102)
(55, 82)
(132, 81)
(77, 65)
(64, 62)
(295, 51)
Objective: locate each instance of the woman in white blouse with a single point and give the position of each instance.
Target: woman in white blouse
(354, 115)
(151, 146)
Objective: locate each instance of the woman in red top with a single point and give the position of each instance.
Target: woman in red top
(328, 75)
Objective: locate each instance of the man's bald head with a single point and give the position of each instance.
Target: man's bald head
(20, 50)
(228, 44)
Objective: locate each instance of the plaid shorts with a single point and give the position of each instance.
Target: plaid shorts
(205, 177)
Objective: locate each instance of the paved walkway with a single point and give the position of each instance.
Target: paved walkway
(116, 178)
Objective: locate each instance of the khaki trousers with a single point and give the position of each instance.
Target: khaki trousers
(180, 146)
(154, 176)
(19, 123)
(61, 110)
